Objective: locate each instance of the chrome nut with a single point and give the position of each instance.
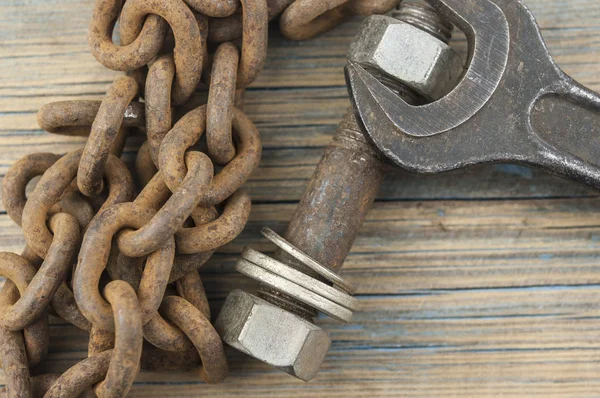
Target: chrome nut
(405, 53)
(272, 335)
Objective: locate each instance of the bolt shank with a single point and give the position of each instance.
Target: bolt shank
(337, 199)
(332, 209)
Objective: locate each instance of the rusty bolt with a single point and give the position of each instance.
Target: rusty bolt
(319, 236)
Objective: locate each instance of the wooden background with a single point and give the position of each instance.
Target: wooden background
(476, 283)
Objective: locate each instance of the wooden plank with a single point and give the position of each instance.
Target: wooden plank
(521, 341)
(419, 246)
(284, 173)
(416, 246)
(481, 282)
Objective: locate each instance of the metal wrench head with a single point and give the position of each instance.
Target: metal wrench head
(487, 30)
(502, 110)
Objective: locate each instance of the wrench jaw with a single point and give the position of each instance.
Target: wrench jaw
(489, 48)
(378, 126)
(480, 142)
(464, 146)
(504, 129)
(387, 119)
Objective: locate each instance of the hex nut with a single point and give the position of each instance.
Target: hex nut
(272, 335)
(407, 54)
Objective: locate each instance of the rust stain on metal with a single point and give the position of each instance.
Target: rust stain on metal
(188, 52)
(75, 117)
(304, 19)
(94, 255)
(104, 131)
(16, 180)
(219, 109)
(187, 132)
(212, 235)
(171, 216)
(130, 56)
(158, 102)
(41, 284)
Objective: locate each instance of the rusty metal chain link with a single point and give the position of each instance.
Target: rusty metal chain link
(221, 97)
(304, 19)
(121, 260)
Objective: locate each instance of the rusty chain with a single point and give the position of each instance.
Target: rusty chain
(96, 250)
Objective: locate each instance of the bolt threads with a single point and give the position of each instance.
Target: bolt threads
(294, 290)
(424, 17)
(349, 136)
(408, 94)
(286, 302)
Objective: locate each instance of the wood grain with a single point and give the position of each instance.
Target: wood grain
(480, 282)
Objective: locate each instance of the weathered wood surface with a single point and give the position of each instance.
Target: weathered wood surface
(482, 282)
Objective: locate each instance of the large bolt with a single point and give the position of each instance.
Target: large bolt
(324, 226)
(276, 327)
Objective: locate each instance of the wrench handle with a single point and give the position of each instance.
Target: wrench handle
(567, 122)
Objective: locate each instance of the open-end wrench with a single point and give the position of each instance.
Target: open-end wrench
(512, 105)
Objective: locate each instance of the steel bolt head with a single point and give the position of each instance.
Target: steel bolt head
(407, 54)
(272, 335)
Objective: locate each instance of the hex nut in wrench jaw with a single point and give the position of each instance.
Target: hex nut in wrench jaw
(255, 327)
(405, 53)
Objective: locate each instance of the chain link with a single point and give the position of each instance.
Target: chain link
(103, 133)
(219, 108)
(136, 287)
(159, 83)
(304, 19)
